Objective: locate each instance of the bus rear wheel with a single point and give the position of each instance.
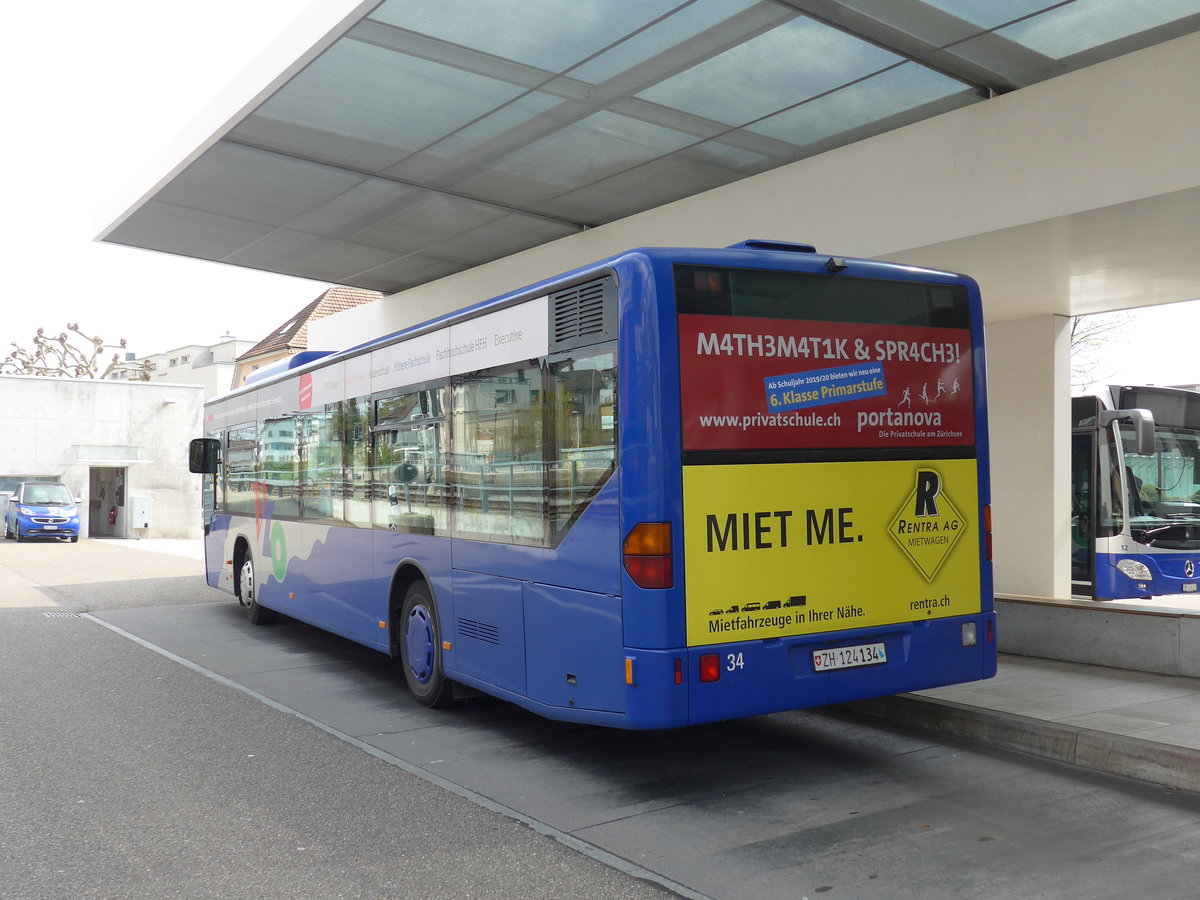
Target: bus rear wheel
(247, 593)
(421, 648)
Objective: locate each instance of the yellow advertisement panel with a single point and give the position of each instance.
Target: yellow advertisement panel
(800, 548)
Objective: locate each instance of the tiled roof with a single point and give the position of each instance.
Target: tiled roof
(292, 335)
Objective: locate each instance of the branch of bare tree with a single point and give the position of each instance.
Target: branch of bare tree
(1091, 337)
(62, 356)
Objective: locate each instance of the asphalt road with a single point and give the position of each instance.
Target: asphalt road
(265, 762)
(128, 775)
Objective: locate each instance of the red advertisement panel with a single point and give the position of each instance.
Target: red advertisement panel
(306, 391)
(780, 384)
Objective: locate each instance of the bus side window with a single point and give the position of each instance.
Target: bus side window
(1111, 519)
(410, 492)
(496, 464)
(242, 467)
(585, 429)
(355, 460)
(1135, 493)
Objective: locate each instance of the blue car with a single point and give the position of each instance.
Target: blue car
(42, 509)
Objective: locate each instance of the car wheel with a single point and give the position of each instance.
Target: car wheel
(247, 593)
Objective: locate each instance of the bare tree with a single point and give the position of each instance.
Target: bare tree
(58, 357)
(1091, 337)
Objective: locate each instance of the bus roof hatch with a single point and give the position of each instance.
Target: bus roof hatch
(754, 244)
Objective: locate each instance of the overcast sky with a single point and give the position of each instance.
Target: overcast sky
(96, 91)
(1157, 345)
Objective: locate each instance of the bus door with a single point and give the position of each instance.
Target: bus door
(1083, 513)
(1105, 493)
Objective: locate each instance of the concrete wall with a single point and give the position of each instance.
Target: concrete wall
(1029, 390)
(66, 427)
(1166, 641)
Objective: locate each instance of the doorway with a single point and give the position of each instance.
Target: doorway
(106, 509)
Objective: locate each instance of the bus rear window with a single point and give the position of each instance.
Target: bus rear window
(757, 293)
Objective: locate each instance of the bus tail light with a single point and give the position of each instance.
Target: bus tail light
(647, 555)
(987, 532)
(710, 667)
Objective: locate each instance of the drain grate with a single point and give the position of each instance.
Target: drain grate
(60, 615)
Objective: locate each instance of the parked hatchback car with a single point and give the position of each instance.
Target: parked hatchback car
(42, 509)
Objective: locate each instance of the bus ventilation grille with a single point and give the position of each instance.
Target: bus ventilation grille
(481, 631)
(583, 314)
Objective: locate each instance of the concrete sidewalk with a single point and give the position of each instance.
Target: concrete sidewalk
(1135, 724)
(188, 549)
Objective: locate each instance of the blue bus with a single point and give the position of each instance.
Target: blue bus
(675, 486)
(1135, 492)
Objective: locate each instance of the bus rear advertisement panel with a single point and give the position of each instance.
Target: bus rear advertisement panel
(803, 548)
(825, 384)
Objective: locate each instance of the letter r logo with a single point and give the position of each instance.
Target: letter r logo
(929, 485)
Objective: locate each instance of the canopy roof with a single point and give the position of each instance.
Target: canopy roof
(424, 137)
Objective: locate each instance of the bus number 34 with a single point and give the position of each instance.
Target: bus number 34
(733, 662)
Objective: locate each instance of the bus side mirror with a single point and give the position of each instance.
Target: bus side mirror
(1143, 426)
(204, 455)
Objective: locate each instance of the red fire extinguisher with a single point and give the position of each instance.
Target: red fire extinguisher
(112, 516)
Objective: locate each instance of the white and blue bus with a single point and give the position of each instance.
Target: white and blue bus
(1135, 492)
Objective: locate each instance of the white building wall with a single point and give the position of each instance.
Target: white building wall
(64, 427)
(211, 367)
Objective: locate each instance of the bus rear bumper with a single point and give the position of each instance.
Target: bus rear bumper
(664, 687)
(757, 677)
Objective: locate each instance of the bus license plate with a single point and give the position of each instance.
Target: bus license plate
(849, 657)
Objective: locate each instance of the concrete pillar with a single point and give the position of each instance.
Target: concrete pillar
(1029, 395)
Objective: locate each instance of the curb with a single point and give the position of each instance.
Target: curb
(1115, 754)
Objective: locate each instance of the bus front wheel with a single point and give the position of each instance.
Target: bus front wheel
(421, 648)
(247, 593)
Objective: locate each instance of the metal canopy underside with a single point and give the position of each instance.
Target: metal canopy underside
(436, 135)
